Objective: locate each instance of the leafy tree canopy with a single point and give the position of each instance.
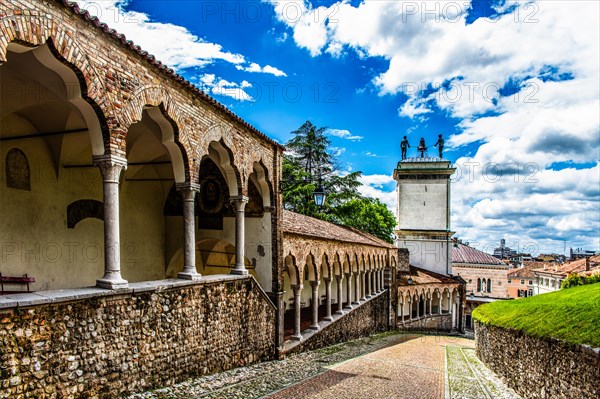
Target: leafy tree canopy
(308, 164)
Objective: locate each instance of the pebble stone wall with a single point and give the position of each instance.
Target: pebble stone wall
(538, 368)
(110, 346)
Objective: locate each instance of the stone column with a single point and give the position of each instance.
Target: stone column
(340, 294)
(188, 191)
(372, 278)
(410, 312)
(356, 288)
(430, 305)
(402, 310)
(111, 167)
(328, 316)
(315, 305)
(239, 204)
(297, 292)
(376, 278)
(348, 291)
(368, 283)
(363, 288)
(381, 282)
(440, 307)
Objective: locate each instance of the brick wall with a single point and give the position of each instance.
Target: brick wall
(370, 318)
(539, 368)
(111, 345)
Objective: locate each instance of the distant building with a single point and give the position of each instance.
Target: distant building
(484, 274)
(504, 252)
(521, 280)
(579, 253)
(549, 278)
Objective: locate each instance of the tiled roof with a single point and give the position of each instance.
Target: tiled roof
(121, 39)
(464, 254)
(296, 223)
(422, 276)
(526, 271)
(576, 266)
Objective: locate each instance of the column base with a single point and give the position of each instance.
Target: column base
(112, 284)
(369, 296)
(296, 337)
(239, 272)
(340, 312)
(314, 327)
(363, 299)
(355, 303)
(348, 307)
(328, 318)
(189, 276)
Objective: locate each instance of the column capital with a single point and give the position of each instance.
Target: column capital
(314, 284)
(110, 166)
(188, 185)
(239, 198)
(297, 288)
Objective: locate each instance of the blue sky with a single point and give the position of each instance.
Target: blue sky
(512, 86)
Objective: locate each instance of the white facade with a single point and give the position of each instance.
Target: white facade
(423, 189)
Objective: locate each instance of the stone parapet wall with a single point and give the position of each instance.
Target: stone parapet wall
(111, 345)
(369, 318)
(539, 367)
(441, 322)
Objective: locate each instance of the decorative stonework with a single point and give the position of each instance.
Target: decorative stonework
(18, 174)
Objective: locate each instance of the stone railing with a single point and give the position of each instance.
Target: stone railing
(99, 343)
(539, 367)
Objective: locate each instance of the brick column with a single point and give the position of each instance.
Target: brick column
(111, 167)
(328, 316)
(297, 292)
(340, 298)
(239, 204)
(315, 305)
(348, 291)
(188, 191)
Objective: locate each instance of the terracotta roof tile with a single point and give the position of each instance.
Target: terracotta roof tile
(295, 223)
(422, 276)
(464, 254)
(576, 266)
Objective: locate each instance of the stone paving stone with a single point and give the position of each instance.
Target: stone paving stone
(385, 366)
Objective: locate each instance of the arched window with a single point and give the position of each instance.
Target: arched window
(489, 285)
(17, 170)
(478, 284)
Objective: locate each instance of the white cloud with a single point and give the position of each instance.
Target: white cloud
(210, 83)
(172, 44)
(254, 67)
(343, 134)
(436, 59)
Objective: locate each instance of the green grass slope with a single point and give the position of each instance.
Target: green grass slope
(572, 315)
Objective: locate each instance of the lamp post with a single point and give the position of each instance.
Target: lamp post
(319, 195)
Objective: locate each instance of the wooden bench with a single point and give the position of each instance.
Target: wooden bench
(10, 280)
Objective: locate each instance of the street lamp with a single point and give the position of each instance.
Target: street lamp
(319, 195)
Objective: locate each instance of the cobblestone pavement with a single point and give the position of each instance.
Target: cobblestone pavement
(390, 365)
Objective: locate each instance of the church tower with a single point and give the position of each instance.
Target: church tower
(423, 215)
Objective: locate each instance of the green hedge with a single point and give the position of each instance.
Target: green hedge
(572, 315)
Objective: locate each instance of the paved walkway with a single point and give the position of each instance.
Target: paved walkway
(390, 365)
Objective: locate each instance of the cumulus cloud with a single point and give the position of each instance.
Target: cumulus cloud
(343, 134)
(210, 83)
(254, 67)
(172, 44)
(523, 85)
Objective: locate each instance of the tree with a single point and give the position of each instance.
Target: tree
(368, 215)
(309, 164)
